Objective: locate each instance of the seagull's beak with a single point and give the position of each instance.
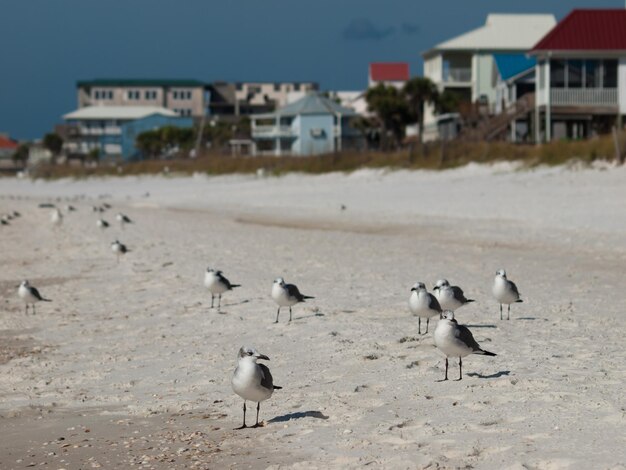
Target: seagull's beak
(262, 356)
(413, 288)
(435, 287)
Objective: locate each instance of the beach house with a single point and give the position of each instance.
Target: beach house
(311, 125)
(581, 75)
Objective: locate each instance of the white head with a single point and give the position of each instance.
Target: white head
(210, 270)
(501, 273)
(279, 281)
(24, 283)
(418, 286)
(250, 354)
(448, 315)
(441, 283)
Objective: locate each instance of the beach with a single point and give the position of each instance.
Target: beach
(129, 367)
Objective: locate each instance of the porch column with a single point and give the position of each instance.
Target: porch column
(548, 110)
(338, 147)
(277, 150)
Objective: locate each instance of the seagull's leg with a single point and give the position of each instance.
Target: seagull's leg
(289, 313)
(212, 299)
(419, 325)
(219, 302)
(277, 313)
(258, 407)
(427, 322)
(244, 417)
(26, 306)
(446, 377)
(500, 311)
(460, 368)
(34, 311)
(508, 313)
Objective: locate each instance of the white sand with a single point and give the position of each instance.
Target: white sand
(360, 387)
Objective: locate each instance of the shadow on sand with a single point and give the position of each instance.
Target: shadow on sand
(481, 326)
(492, 376)
(298, 415)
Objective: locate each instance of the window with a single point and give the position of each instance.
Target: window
(150, 95)
(296, 87)
(574, 73)
(276, 86)
(557, 74)
(592, 74)
(133, 95)
(110, 94)
(609, 77)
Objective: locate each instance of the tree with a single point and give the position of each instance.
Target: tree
(419, 91)
(54, 143)
(447, 102)
(21, 154)
(392, 111)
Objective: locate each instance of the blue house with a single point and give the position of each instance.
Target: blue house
(113, 130)
(312, 125)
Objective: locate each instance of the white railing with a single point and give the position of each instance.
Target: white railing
(273, 131)
(458, 75)
(100, 131)
(584, 97)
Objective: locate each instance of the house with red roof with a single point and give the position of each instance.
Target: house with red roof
(8, 147)
(581, 75)
(388, 73)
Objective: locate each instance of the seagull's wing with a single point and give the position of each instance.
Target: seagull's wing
(37, 295)
(433, 303)
(458, 294)
(267, 381)
(293, 291)
(513, 287)
(465, 335)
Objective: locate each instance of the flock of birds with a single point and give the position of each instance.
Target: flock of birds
(253, 381)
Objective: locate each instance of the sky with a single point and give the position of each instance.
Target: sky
(47, 45)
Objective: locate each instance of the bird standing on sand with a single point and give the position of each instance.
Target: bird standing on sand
(286, 295)
(505, 292)
(123, 219)
(102, 224)
(252, 381)
(30, 295)
(119, 249)
(217, 285)
(423, 304)
(450, 297)
(456, 340)
(56, 218)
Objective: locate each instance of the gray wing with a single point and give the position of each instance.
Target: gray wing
(513, 287)
(223, 280)
(433, 303)
(267, 380)
(293, 291)
(36, 293)
(465, 335)
(458, 294)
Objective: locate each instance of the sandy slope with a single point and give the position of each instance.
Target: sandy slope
(132, 352)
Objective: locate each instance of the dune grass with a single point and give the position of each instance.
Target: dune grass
(435, 156)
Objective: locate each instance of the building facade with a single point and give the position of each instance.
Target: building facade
(312, 125)
(112, 130)
(581, 75)
(187, 98)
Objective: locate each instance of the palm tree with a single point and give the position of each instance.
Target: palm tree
(391, 108)
(419, 91)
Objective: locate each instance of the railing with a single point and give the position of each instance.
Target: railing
(273, 131)
(100, 131)
(583, 97)
(457, 75)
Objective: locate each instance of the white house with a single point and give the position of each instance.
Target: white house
(581, 75)
(466, 66)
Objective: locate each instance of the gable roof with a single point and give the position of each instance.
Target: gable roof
(312, 103)
(510, 65)
(584, 30)
(127, 82)
(6, 143)
(501, 32)
(117, 112)
(389, 71)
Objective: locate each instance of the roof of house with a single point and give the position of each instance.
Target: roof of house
(389, 71)
(510, 65)
(128, 82)
(312, 103)
(117, 112)
(501, 32)
(584, 30)
(6, 143)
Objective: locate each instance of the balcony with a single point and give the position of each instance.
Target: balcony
(457, 75)
(584, 97)
(273, 131)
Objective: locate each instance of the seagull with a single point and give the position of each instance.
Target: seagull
(16, 214)
(123, 219)
(119, 249)
(456, 340)
(217, 285)
(4, 221)
(30, 295)
(70, 208)
(450, 297)
(252, 381)
(103, 224)
(423, 304)
(286, 295)
(56, 217)
(505, 292)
